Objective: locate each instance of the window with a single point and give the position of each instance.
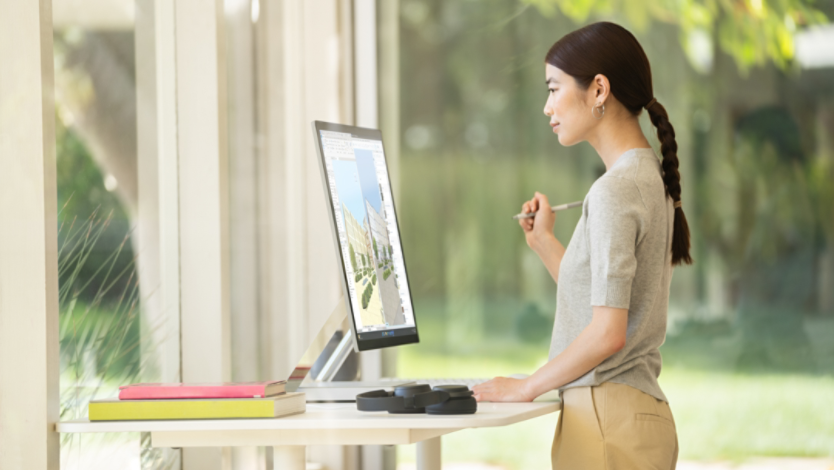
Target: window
(750, 322)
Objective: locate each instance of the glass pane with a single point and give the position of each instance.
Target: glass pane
(100, 296)
(748, 359)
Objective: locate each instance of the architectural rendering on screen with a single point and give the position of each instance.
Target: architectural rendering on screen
(365, 221)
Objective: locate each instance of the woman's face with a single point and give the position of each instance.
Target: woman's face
(568, 107)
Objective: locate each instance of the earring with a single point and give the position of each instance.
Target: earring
(601, 113)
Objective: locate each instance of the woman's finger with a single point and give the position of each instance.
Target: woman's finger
(523, 223)
(541, 200)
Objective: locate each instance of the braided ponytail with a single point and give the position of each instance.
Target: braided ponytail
(672, 180)
(609, 49)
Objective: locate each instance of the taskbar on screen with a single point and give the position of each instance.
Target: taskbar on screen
(377, 334)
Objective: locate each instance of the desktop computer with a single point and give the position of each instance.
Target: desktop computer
(366, 235)
(375, 286)
(376, 296)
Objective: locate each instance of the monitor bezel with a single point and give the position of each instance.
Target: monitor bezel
(373, 134)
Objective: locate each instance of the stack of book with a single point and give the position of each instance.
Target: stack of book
(150, 401)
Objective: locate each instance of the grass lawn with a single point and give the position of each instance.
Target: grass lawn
(720, 415)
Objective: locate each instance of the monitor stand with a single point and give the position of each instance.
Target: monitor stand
(322, 388)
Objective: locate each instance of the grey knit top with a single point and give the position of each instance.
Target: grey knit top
(620, 256)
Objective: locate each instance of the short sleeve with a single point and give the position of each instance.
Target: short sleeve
(615, 220)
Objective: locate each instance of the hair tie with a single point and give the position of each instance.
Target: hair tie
(678, 204)
(649, 105)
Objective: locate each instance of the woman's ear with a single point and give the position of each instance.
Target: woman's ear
(601, 88)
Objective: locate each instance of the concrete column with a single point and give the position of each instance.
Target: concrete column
(203, 203)
(243, 209)
(29, 365)
(157, 225)
(303, 73)
(157, 165)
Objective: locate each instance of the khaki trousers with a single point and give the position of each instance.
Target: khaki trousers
(614, 427)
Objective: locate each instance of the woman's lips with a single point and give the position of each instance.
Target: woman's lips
(554, 126)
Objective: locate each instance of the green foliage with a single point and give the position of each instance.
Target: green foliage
(376, 252)
(373, 280)
(98, 292)
(532, 326)
(82, 198)
(753, 32)
(352, 256)
(99, 339)
(358, 277)
(366, 295)
(386, 274)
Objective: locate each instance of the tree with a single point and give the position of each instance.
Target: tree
(352, 257)
(376, 253)
(753, 33)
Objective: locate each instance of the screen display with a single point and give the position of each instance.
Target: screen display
(368, 235)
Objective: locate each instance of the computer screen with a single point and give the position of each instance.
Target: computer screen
(367, 235)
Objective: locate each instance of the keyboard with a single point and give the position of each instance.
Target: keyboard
(469, 382)
(552, 395)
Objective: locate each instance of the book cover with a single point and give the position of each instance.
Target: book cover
(147, 391)
(204, 408)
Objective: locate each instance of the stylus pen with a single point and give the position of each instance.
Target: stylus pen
(527, 215)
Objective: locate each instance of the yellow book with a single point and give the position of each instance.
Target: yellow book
(205, 408)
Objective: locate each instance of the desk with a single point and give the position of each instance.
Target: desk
(322, 424)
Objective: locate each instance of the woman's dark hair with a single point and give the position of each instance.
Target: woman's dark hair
(609, 49)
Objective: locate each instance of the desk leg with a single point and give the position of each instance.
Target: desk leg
(289, 457)
(428, 454)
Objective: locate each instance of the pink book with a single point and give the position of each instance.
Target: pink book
(150, 391)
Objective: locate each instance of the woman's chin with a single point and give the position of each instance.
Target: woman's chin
(565, 141)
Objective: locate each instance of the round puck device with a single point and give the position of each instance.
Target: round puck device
(461, 401)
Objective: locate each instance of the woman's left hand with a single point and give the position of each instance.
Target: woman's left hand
(503, 389)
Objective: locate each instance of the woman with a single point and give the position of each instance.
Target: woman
(614, 277)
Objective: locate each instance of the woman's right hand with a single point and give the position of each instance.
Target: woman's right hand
(538, 230)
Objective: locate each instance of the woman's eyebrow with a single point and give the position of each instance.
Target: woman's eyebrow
(551, 80)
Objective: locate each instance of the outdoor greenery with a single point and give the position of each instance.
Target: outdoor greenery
(756, 180)
(98, 293)
(98, 287)
(752, 32)
(748, 362)
(720, 413)
(82, 198)
(719, 416)
(750, 324)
